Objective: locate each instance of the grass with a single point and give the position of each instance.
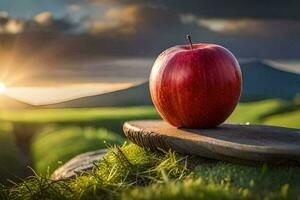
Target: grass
(10, 163)
(253, 111)
(121, 169)
(70, 140)
(78, 116)
(77, 130)
(132, 172)
(56, 145)
(260, 180)
(61, 134)
(289, 119)
(179, 190)
(69, 137)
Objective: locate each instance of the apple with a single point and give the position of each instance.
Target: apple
(195, 85)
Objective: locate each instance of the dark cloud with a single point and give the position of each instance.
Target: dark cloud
(45, 22)
(127, 29)
(222, 8)
(271, 28)
(42, 22)
(10, 25)
(121, 20)
(136, 30)
(161, 26)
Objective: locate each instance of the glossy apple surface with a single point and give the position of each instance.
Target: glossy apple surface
(195, 86)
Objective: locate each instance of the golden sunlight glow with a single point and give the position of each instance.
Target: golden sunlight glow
(2, 88)
(48, 95)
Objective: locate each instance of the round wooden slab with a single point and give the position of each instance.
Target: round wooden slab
(81, 163)
(226, 142)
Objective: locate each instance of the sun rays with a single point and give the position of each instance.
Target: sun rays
(2, 87)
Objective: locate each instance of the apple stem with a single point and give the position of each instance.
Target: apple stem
(190, 40)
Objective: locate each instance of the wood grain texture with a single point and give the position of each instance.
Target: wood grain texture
(226, 142)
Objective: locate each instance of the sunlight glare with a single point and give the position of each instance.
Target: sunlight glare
(2, 87)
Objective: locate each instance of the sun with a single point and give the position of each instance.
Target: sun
(2, 88)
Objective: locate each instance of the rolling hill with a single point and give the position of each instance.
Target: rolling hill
(260, 81)
(7, 102)
(133, 96)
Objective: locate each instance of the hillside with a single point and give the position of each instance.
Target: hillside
(133, 96)
(7, 102)
(260, 81)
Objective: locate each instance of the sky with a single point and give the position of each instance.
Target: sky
(53, 43)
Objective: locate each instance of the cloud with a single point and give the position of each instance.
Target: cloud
(94, 30)
(220, 9)
(72, 8)
(127, 29)
(128, 14)
(12, 26)
(43, 18)
(121, 20)
(233, 18)
(246, 27)
(3, 14)
(42, 22)
(103, 1)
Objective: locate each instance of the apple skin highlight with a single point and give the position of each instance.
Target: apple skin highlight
(195, 86)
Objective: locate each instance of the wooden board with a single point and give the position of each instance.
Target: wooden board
(226, 142)
(79, 164)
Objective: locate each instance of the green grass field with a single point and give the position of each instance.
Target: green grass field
(53, 136)
(56, 145)
(132, 172)
(10, 159)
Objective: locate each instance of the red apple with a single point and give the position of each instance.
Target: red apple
(196, 85)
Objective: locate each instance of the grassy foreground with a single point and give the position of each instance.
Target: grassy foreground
(10, 163)
(72, 141)
(108, 125)
(132, 172)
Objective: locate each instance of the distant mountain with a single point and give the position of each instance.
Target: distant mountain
(7, 102)
(260, 81)
(133, 96)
